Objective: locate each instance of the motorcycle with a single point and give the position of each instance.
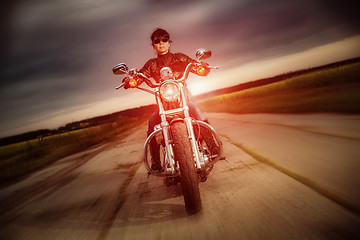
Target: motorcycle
(189, 147)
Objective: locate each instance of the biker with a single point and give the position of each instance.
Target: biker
(161, 42)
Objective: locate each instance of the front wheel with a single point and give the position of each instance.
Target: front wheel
(188, 176)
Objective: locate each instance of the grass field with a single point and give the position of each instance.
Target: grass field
(19, 159)
(331, 89)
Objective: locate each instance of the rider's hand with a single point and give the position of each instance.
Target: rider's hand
(130, 82)
(126, 81)
(207, 69)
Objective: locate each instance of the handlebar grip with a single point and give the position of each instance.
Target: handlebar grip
(120, 86)
(216, 67)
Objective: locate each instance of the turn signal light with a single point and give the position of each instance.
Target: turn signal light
(201, 70)
(132, 82)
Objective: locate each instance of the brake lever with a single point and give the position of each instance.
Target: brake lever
(120, 86)
(216, 67)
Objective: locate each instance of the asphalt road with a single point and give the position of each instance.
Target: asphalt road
(287, 177)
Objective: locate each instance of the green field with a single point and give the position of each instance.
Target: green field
(329, 89)
(20, 159)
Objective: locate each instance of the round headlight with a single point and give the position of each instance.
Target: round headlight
(169, 91)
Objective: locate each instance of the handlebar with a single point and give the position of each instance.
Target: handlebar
(154, 85)
(120, 86)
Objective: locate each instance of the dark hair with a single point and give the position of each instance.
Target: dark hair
(159, 33)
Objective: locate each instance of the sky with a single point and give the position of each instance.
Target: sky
(57, 56)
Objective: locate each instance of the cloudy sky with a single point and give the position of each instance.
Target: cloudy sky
(57, 56)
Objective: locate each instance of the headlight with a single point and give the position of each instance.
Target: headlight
(169, 91)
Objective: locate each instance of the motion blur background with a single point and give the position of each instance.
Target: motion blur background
(57, 56)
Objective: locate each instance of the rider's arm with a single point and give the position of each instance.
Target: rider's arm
(146, 70)
(149, 70)
(186, 59)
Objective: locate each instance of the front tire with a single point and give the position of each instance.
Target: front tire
(188, 176)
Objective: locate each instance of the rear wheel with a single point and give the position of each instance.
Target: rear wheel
(188, 176)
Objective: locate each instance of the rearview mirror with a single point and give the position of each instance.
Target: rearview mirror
(202, 54)
(120, 69)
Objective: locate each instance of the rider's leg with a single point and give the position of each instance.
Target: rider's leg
(154, 147)
(196, 113)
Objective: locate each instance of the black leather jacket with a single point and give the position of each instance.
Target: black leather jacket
(153, 66)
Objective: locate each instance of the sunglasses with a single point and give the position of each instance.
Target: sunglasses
(163, 40)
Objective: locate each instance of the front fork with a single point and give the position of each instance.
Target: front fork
(169, 152)
(165, 127)
(190, 129)
(192, 139)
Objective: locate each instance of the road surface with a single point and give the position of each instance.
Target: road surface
(287, 177)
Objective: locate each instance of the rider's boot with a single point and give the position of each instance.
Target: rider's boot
(209, 140)
(155, 165)
(155, 156)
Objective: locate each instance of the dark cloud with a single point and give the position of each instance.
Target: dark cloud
(262, 29)
(59, 54)
(343, 11)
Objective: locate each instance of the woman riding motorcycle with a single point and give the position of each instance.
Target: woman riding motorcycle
(177, 62)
